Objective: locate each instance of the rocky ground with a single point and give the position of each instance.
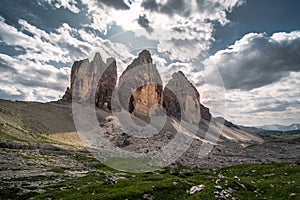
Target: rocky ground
(41, 156)
(47, 171)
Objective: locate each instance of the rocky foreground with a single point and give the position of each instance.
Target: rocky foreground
(41, 160)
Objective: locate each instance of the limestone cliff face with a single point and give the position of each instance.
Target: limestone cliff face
(106, 85)
(85, 79)
(205, 113)
(140, 86)
(181, 99)
(67, 97)
(74, 72)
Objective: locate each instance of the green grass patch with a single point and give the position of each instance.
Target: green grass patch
(58, 170)
(135, 165)
(253, 181)
(9, 137)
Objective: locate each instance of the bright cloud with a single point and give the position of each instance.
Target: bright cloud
(67, 4)
(270, 104)
(184, 28)
(27, 76)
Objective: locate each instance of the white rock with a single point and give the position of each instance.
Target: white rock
(236, 178)
(292, 194)
(218, 187)
(197, 188)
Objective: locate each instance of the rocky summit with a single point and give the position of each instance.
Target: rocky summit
(106, 85)
(140, 86)
(85, 78)
(181, 99)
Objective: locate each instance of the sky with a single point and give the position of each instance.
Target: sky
(243, 56)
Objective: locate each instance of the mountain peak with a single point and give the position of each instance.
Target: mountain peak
(181, 99)
(97, 57)
(144, 84)
(145, 57)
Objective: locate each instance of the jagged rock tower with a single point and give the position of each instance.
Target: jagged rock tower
(181, 99)
(95, 76)
(139, 89)
(140, 86)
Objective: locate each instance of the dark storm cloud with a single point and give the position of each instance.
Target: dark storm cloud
(275, 106)
(257, 60)
(150, 5)
(204, 5)
(144, 22)
(174, 6)
(117, 4)
(31, 78)
(32, 81)
(170, 7)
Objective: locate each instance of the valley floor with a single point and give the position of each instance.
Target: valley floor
(45, 171)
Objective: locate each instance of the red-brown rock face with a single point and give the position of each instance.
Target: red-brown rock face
(181, 99)
(140, 86)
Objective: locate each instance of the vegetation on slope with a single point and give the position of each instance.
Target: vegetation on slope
(97, 181)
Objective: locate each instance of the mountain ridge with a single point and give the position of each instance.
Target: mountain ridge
(144, 58)
(142, 86)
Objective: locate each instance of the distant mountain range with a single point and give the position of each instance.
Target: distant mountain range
(275, 129)
(278, 127)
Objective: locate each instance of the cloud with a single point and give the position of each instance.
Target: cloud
(30, 71)
(67, 4)
(144, 22)
(274, 105)
(105, 13)
(170, 7)
(205, 9)
(65, 45)
(28, 80)
(182, 29)
(151, 5)
(262, 75)
(117, 4)
(270, 104)
(257, 60)
(186, 31)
